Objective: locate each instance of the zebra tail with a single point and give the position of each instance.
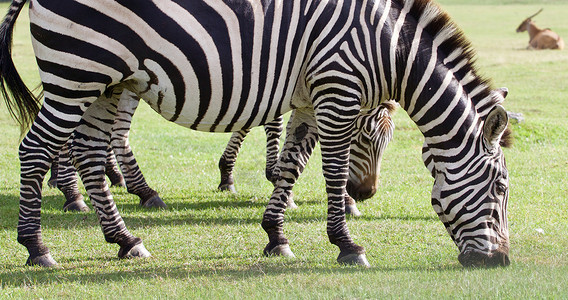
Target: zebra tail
(20, 101)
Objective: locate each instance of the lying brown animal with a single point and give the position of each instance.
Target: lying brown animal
(540, 38)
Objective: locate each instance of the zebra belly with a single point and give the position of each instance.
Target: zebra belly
(216, 66)
(162, 100)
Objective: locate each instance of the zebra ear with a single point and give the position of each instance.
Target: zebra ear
(503, 91)
(495, 125)
(365, 122)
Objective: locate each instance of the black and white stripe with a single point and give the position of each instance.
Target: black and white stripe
(217, 65)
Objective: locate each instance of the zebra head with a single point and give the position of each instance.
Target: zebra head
(471, 191)
(374, 130)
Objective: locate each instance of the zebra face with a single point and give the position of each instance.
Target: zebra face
(470, 195)
(373, 131)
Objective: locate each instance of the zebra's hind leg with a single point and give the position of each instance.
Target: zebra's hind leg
(134, 179)
(227, 161)
(36, 152)
(228, 158)
(67, 181)
(273, 131)
(301, 138)
(89, 153)
(112, 170)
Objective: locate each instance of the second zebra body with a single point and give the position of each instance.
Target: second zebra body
(365, 159)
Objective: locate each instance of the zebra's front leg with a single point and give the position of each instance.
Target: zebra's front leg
(335, 133)
(301, 138)
(89, 154)
(351, 207)
(134, 179)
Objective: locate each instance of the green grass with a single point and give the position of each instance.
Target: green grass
(209, 244)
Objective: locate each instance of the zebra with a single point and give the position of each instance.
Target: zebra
(363, 172)
(222, 66)
(66, 181)
(63, 173)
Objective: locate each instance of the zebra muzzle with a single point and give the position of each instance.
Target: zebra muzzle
(473, 258)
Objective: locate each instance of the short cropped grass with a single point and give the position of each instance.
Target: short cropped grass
(208, 244)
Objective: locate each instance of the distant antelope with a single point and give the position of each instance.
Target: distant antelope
(540, 38)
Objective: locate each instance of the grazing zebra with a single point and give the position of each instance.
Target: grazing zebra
(217, 66)
(63, 173)
(365, 158)
(133, 178)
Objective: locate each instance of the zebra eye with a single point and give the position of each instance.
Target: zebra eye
(500, 188)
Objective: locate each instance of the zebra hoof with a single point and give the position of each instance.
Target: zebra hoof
(352, 210)
(354, 259)
(52, 183)
(281, 250)
(77, 206)
(138, 251)
(154, 202)
(43, 261)
(228, 187)
(291, 204)
(120, 184)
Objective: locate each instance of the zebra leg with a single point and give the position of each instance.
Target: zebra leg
(89, 153)
(296, 161)
(335, 133)
(273, 132)
(351, 207)
(228, 158)
(301, 138)
(227, 161)
(112, 171)
(135, 182)
(52, 181)
(36, 152)
(67, 181)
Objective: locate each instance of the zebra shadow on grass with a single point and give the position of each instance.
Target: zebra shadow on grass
(149, 269)
(214, 208)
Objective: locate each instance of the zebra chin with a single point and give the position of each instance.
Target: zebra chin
(474, 258)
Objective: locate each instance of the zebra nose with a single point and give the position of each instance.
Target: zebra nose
(365, 190)
(475, 259)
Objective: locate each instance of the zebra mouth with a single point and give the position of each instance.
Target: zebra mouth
(362, 191)
(474, 258)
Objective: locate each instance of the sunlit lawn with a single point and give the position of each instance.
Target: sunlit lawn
(209, 244)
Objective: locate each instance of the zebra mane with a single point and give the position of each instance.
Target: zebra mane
(458, 52)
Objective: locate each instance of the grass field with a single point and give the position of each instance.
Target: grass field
(209, 244)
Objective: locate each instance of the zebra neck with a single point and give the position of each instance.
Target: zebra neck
(436, 99)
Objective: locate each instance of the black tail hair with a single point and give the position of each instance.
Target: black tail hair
(22, 104)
